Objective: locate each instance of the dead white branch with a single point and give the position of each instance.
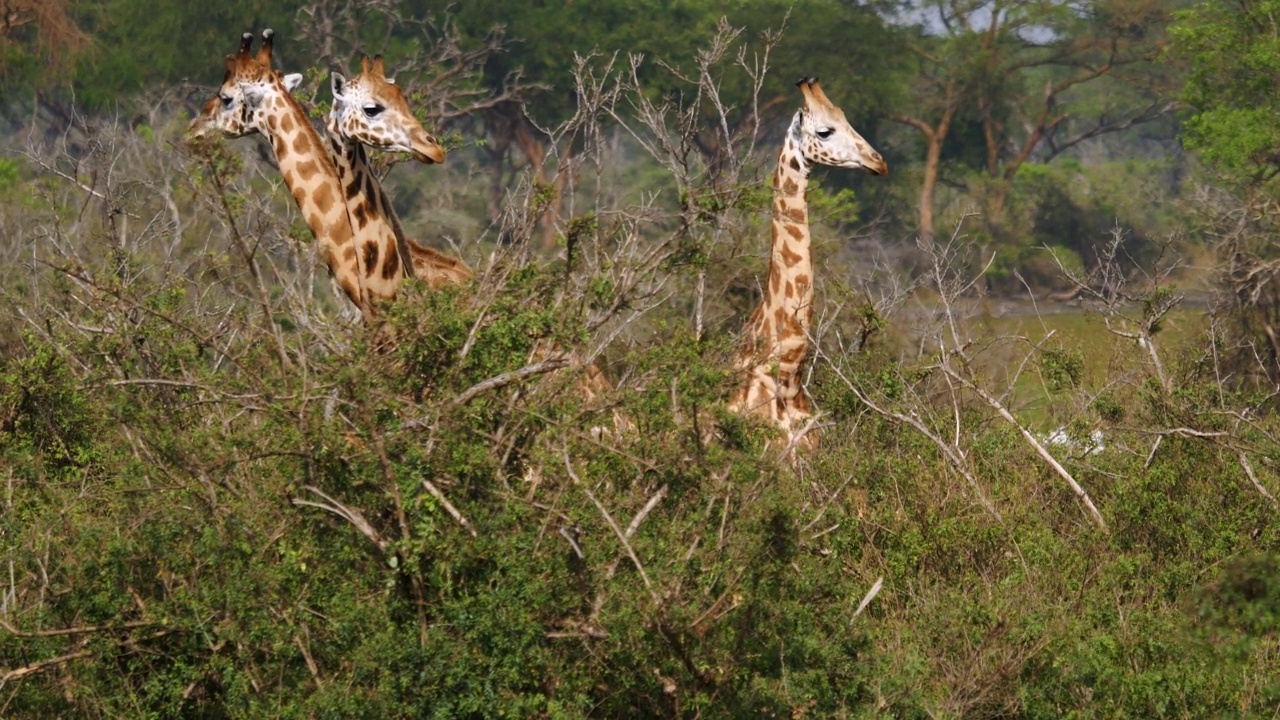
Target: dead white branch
(1032, 441)
(1253, 478)
(351, 515)
(622, 537)
(448, 506)
(866, 599)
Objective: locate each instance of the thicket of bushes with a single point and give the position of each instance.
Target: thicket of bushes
(224, 497)
(219, 508)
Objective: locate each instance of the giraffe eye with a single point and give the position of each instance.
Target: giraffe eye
(824, 133)
(226, 100)
(373, 110)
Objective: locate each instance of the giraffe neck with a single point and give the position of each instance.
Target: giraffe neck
(312, 179)
(388, 258)
(775, 341)
(373, 216)
(790, 283)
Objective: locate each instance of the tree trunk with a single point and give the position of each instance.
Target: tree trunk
(928, 186)
(997, 192)
(932, 162)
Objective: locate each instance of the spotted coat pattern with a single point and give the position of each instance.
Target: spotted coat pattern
(255, 98)
(775, 341)
(370, 110)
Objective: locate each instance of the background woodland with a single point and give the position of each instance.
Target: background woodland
(1046, 357)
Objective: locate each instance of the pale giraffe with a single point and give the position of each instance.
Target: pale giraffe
(369, 109)
(775, 340)
(255, 98)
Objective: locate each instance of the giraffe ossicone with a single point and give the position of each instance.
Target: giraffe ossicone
(775, 341)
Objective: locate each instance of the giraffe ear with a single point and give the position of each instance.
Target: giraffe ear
(338, 84)
(292, 80)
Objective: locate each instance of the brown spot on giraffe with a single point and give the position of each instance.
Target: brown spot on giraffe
(287, 124)
(391, 265)
(790, 186)
(789, 257)
(370, 257)
(349, 287)
(341, 234)
(308, 169)
(796, 232)
(323, 198)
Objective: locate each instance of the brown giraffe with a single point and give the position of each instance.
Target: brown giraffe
(237, 111)
(255, 98)
(775, 340)
(369, 109)
(380, 260)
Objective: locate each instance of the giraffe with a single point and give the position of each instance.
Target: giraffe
(381, 268)
(369, 109)
(242, 107)
(775, 340)
(255, 98)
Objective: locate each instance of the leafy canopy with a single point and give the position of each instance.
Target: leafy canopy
(1232, 48)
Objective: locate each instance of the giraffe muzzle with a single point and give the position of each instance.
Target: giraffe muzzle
(876, 165)
(426, 150)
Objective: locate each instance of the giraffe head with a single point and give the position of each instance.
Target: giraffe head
(229, 112)
(825, 137)
(371, 109)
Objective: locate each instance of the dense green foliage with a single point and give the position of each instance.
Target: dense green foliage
(223, 496)
(1233, 54)
(240, 539)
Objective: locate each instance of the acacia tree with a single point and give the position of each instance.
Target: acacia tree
(547, 38)
(1015, 70)
(1232, 50)
(39, 42)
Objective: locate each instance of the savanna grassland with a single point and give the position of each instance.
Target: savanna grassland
(1044, 352)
